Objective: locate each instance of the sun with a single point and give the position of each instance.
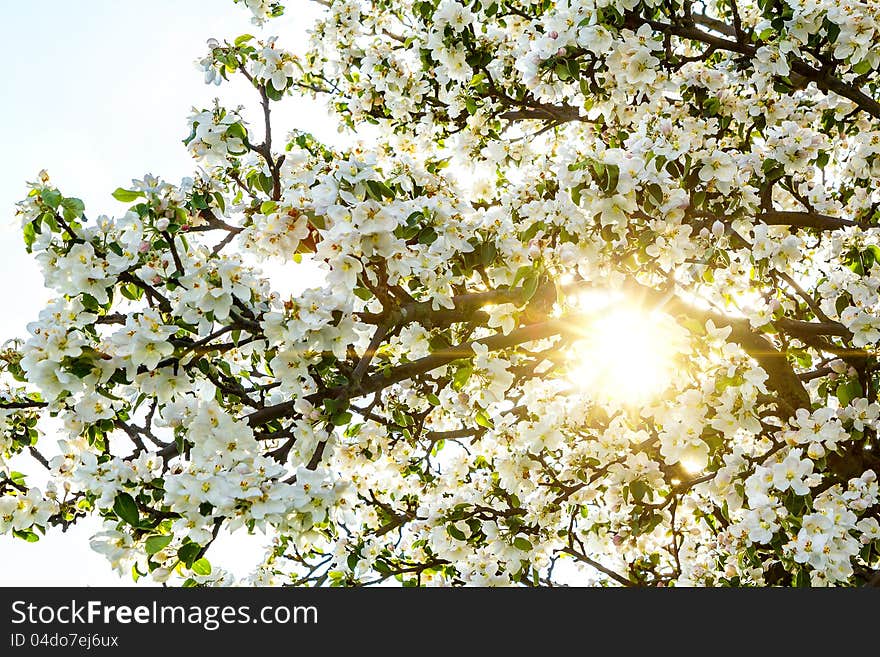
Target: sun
(628, 354)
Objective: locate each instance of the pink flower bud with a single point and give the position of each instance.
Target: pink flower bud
(143, 247)
(553, 34)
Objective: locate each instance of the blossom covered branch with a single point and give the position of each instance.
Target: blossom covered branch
(417, 410)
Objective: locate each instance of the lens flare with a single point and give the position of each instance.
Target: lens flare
(627, 355)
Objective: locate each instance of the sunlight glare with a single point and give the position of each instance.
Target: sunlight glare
(628, 355)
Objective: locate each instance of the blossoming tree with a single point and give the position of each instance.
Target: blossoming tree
(598, 305)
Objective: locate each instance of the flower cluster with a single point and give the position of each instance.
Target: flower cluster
(373, 352)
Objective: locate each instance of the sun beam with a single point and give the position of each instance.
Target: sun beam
(627, 355)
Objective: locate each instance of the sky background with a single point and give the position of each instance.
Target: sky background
(97, 92)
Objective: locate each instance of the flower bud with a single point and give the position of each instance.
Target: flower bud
(837, 365)
(815, 451)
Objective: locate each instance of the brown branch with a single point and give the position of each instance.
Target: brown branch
(824, 80)
(580, 556)
(804, 220)
(23, 404)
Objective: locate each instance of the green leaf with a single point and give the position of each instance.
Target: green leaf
(126, 508)
(773, 169)
(638, 489)
(30, 236)
(521, 273)
(455, 532)
(199, 202)
(244, 38)
(237, 130)
(530, 285)
(230, 63)
(531, 231)
(378, 189)
(848, 391)
(51, 197)
(265, 182)
(26, 535)
(202, 567)
(273, 93)
(428, 236)
(188, 552)
(833, 30)
(488, 252)
(613, 177)
(190, 136)
(157, 543)
(48, 218)
(522, 544)
(562, 70)
(484, 420)
(656, 193)
(73, 208)
(126, 195)
(461, 376)
(341, 419)
(131, 291)
(221, 202)
(861, 67)
(363, 293)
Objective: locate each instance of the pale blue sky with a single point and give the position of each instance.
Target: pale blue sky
(97, 92)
